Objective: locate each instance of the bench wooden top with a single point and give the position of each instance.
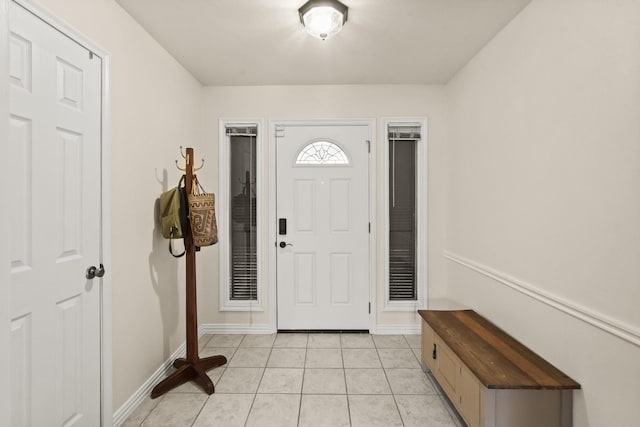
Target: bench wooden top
(495, 358)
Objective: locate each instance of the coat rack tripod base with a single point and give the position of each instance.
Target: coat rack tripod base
(191, 367)
(190, 371)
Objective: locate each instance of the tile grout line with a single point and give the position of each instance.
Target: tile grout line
(224, 370)
(346, 391)
(149, 413)
(393, 395)
(304, 371)
(200, 411)
(255, 394)
(443, 399)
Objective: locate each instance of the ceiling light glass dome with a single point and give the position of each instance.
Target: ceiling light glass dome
(323, 18)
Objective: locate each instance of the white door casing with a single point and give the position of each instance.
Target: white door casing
(5, 391)
(55, 152)
(323, 271)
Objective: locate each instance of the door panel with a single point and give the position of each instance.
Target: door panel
(323, 270)
(54, 146)
(20, 216)
(341, 285)
(305, 196)
(340, 206)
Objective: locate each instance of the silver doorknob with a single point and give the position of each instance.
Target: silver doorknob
(91, 272)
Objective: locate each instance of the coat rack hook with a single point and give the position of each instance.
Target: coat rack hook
(201, 166)
(179, 168)
(183, 153)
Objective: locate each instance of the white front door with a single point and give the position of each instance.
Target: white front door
(323, 227)
(54, 235)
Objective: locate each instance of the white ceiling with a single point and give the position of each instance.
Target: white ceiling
(262, 42)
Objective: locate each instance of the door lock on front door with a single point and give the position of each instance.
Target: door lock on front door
(282, 226)
(285, 244)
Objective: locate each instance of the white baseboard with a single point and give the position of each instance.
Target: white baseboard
(144, 391)
(236, 329)
(406, 329)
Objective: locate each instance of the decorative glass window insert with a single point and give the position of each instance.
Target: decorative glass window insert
(402, 212)
(322, 153)
(243, 280)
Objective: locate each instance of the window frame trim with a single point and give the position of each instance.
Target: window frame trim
(421, 206)
(223, 213)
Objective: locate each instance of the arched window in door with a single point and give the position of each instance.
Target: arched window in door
(322, 153)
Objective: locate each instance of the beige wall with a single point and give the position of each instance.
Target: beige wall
(335, 102)
(543, 173)
(156, 107)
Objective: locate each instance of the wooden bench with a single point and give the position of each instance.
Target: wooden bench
(492, 379)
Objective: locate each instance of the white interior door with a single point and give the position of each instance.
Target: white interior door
(55, 226)
(323, 195)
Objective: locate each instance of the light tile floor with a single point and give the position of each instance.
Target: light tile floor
(309, 380)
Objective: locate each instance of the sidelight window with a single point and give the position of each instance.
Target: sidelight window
(404, 147)
(238, 217)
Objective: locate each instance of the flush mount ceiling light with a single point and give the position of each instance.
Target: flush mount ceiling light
(323, 18)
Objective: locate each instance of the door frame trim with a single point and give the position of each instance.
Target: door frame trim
(272, 214)
(5, 316)
(106, 374)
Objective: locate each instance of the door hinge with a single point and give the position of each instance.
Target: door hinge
(90, 55)
(279, 132)
(368, 146)
(369, 228)
(369, 308)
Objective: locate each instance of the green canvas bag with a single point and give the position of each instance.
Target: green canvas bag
(173, 214)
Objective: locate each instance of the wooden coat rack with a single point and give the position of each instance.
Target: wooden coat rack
(191, 367)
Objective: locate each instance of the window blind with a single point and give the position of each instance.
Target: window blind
(402, 212)
(243, 280)
(241, 130)
(404, 132)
